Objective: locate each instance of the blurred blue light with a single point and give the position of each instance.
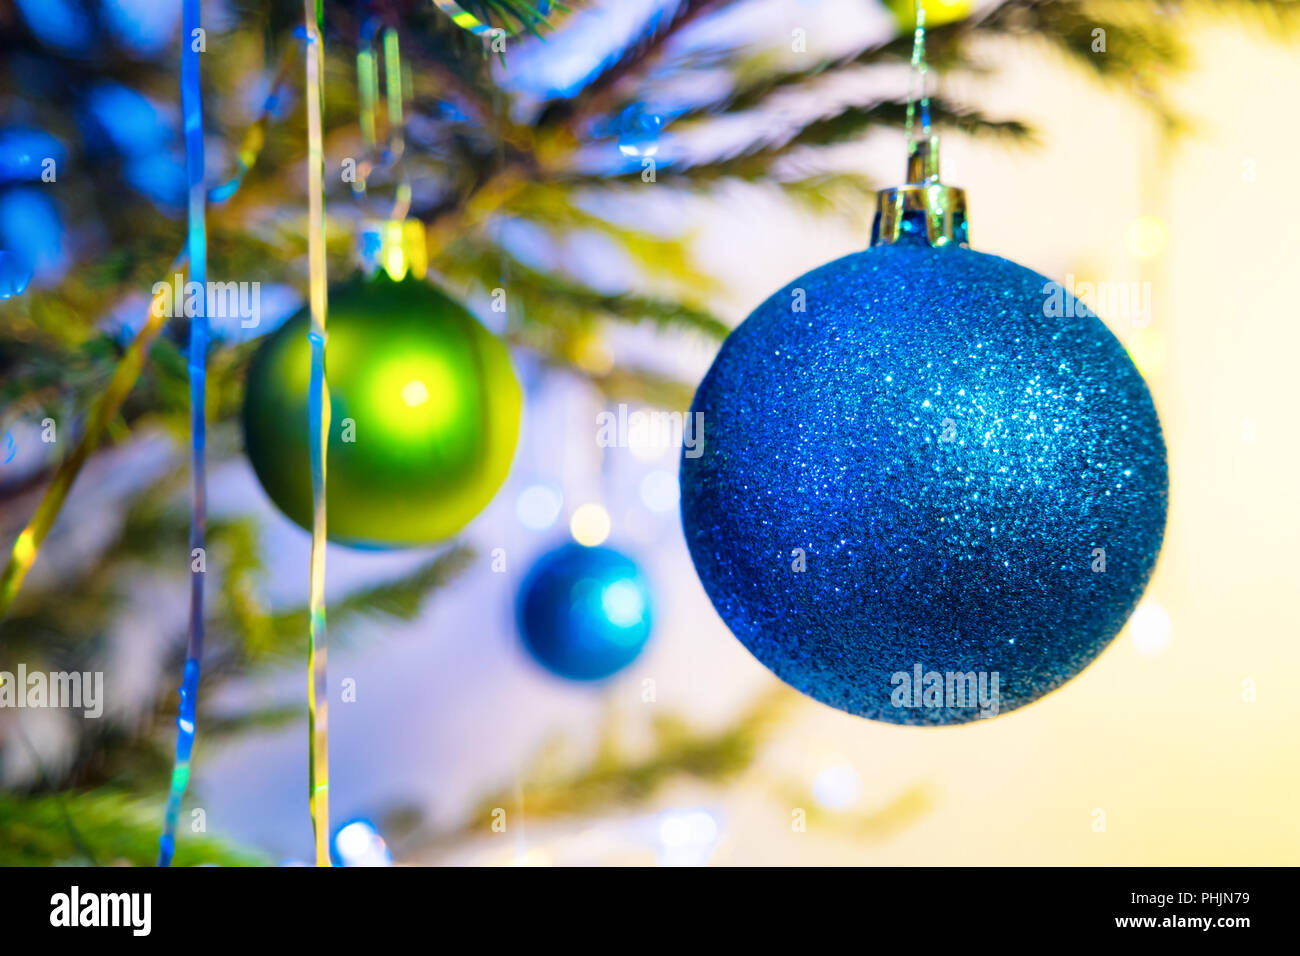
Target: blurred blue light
(358, 843)
(638, 131)
(160, 176)
(61, 24)
(31, 230)
(623, 603)
(451, 112)
(143, 26)
(14, 275)
(131, 122)
(23, 150)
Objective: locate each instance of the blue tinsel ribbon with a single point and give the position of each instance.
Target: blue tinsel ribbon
(197, 243)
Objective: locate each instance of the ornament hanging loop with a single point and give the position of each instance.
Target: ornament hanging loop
(394, 243)
(923, 209)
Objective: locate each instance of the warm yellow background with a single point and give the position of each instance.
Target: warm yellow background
(1185, 770)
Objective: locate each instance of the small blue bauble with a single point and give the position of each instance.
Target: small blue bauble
(584, 613)
(924, 461)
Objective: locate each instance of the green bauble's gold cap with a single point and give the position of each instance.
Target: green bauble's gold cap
(923, 210)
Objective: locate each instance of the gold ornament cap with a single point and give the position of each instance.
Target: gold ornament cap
(923, 209)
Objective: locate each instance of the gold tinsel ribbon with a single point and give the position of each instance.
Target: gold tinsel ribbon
(319, 425)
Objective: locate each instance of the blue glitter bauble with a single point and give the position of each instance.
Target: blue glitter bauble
(584, 613)
(974, 482)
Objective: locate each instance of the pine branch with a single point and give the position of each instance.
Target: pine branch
(219, 727)
(401, 599)
(754, 161)
(626, 383)
(840, 193)
(114, 828)
(612, 780)
(873, 825)
(557, 210)
(600, 92)
(550, 297)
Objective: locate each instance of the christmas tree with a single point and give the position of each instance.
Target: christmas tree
(520, 145)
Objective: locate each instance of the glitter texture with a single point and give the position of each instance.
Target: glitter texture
(948, 456)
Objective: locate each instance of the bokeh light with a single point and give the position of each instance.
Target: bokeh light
(687, 837)
(538, 506)
(1150, 628)
(358, 843)
(838, 787)
(660, 491)
(638, 132)
(590, 525)
(14, 276)
(415, 393)
(623, 603)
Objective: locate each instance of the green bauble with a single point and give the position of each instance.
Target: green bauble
(424, 414)
(937, 12)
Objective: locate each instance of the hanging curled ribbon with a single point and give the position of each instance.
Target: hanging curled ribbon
(374, 158)
(395, 244)
(462, 17)
(255, 137)
(467, 21)
(918, 86)
(197, 245)
(319, 425)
